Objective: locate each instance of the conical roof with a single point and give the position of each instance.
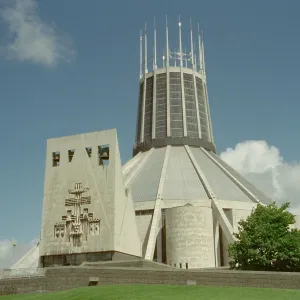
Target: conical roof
(182, 181)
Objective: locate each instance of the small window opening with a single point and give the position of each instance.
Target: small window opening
(93, 282)
(89, 151)
(175, 265)
(55, 159)
(180, 266)
(186, 265)
(71, 154)
(103, 154)
(56, 231)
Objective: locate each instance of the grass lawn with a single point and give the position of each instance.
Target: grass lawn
(163, 292)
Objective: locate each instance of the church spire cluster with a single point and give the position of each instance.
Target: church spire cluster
(189, 58)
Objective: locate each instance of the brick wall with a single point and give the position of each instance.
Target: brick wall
(71, 277)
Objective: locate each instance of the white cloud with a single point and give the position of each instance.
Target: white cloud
(10, 254)
(263, 166)
(31, 39)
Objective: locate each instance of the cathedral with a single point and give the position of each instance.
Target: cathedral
(175, 202)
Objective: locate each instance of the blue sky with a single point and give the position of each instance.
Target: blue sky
(86, 79)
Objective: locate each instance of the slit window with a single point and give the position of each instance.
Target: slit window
(55, 159)
(103, 155)
(186, 265)
(71, 154)
(89, 151)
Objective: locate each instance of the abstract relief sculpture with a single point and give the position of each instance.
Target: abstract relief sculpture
(77, 224)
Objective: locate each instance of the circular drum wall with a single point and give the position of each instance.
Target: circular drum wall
(189, 237)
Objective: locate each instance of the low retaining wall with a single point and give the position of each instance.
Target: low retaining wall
(62, 278)
(121, 264)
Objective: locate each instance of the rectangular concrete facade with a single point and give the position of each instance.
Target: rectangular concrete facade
(86, 208)
(144, 225)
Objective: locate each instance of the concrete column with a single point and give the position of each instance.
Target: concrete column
(168, 102)
(143, 112)
(159, 242)
(217, 243)
(197, 106)
(183, 103)
(207, 111)
(154, 106)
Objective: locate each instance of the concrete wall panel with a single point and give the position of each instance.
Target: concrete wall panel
(108, 214)
(189, 236)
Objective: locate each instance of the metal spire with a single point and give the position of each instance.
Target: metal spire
(195, 58)
(175, 58)
(189, 58)
(203, 58)
(200, 52)
(141, 55)
(180, 44)
(154, 61)
(146, 58)
(167, 43)
(192, 45)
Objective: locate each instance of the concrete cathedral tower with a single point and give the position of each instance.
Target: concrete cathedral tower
(87, 213)
(187, 200)
(174, 202)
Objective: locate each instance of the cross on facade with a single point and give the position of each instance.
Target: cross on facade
(76, 202)
(77, 224)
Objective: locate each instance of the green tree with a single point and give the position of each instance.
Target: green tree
(265, 242)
